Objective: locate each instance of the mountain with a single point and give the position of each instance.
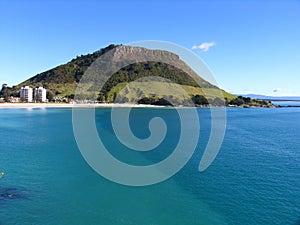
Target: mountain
(63, 79)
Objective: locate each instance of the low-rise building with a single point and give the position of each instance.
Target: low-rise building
(13, 99)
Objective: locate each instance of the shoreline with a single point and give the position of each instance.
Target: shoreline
(67, 105)
(105, 105)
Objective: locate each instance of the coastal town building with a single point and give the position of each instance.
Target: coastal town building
(26, 94)
(13, 99)
(40, 94)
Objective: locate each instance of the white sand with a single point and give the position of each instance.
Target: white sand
(66, 105)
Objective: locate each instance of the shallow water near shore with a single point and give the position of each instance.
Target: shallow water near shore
(254, 179)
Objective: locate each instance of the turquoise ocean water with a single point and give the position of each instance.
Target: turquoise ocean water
(255, 178)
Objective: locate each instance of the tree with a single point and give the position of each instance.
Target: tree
(50, 95)
(237, 101)
(162, 101)
(6, 95)
(200, 100)
(5, 92)
(22, 99)
(71, 96)
(247, 100)
(37, 97)
(101, 97)
(146, 101)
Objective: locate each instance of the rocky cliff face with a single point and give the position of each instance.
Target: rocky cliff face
(138, 52)
(124, 55)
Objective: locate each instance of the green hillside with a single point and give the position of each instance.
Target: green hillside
(62, 80)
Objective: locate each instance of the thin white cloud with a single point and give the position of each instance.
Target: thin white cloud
(277, 90)
(205, 46)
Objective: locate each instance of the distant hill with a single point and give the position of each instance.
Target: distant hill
(63, 79)
(273, 98)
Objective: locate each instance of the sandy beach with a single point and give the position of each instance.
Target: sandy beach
(67, 105)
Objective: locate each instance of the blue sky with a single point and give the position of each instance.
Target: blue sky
(250, 46)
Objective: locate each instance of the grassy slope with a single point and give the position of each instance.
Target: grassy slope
(162, 89)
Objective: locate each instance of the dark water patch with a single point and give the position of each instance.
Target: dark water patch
(11, 193)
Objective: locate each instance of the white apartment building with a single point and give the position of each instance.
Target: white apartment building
(26, 93)
(40, 94)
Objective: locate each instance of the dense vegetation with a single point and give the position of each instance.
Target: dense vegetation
(140, 70)
(5, 92)
(248, 102)
(68, 73)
